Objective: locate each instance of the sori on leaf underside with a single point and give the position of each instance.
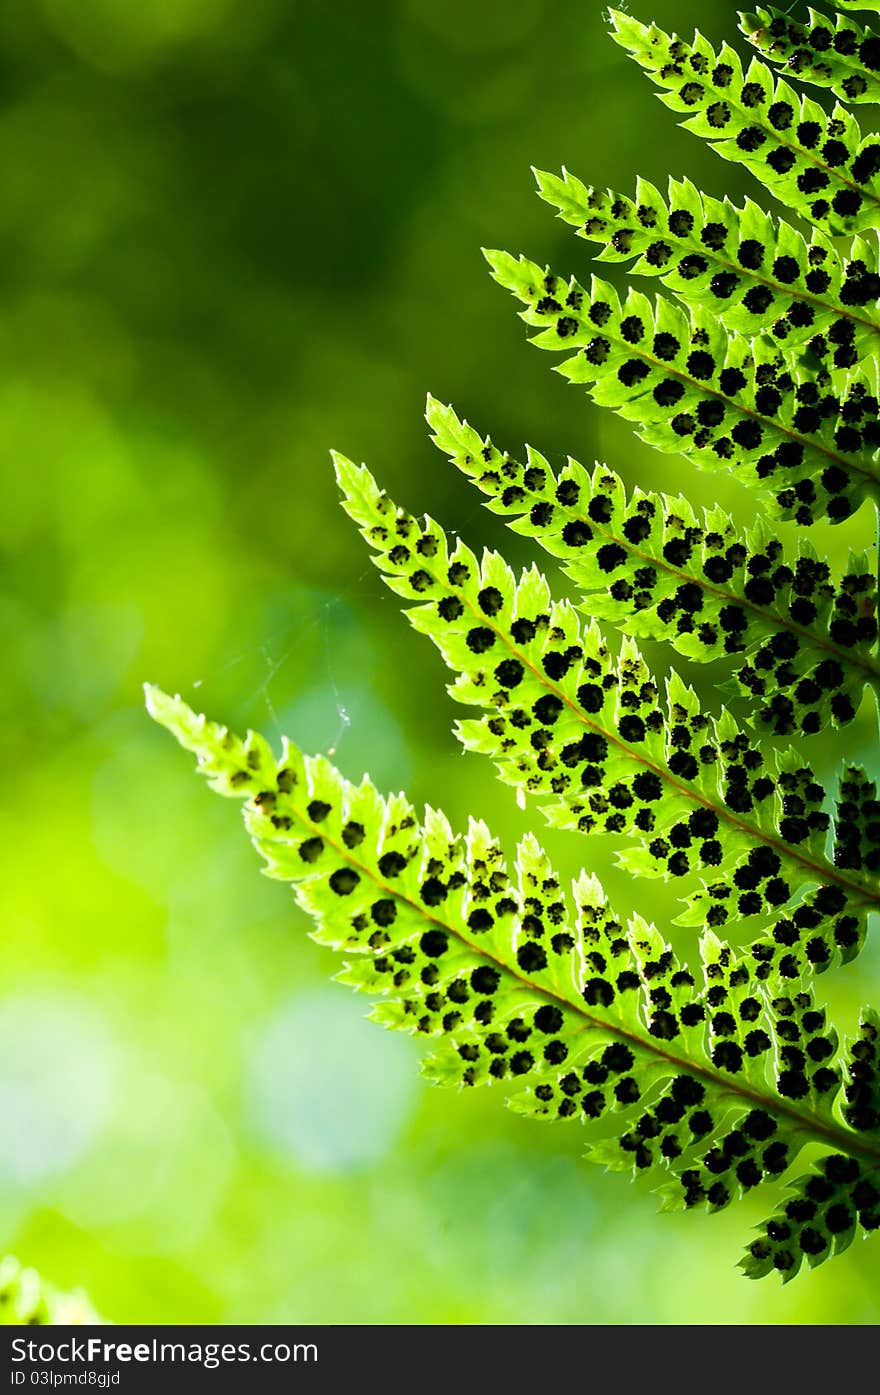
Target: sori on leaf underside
(837, 52)
(759, 358)
(710, 1081)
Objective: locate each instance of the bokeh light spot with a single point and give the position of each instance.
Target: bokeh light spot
(117, 33)
(329, 1089)
(56, 1084)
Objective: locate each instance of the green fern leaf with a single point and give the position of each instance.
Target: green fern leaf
(839, 54)
(819, 166)
(709, 1080)
(686, 384)
(652, 566)
(26, 1299)
(858, 5)
(709, 1088)
(587, 735)
(757, 273)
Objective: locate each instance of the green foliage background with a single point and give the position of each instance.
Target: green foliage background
(234, 233)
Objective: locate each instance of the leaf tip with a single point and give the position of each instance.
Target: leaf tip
(159, 704)
(344, 469)
(436, 411)
(173, 713)
(498, 261)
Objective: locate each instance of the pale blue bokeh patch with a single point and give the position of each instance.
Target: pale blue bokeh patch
(327, 1087)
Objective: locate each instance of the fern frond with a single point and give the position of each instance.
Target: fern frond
(587, 735)
(26, 1299)
(837, 53)
(821, 167)
(685, 384)
(755, 272)
(711, 1087)
(649, 564)
(709, 1079)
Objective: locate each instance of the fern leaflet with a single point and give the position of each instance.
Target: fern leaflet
(757, 273)
(586, 733)
(647, 563)
(821, 167)
(686, 383)
(840, 54)
(710, 1087)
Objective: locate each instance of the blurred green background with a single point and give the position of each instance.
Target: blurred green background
(233, 234)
